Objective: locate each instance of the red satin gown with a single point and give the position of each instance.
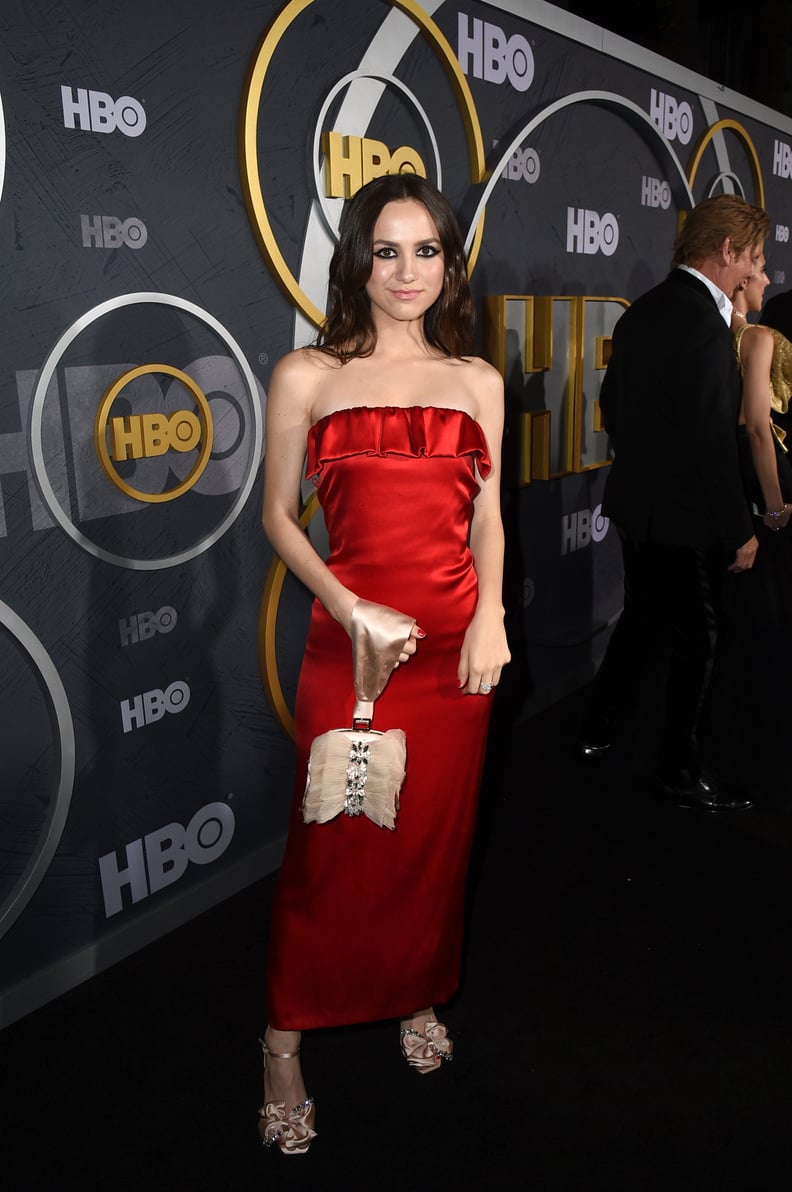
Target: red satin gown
(367, 923)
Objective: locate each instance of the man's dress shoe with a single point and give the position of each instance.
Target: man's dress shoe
(595, 739)
(689, 789)
(593, 750)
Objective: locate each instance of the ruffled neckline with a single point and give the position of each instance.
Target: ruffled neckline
(408, 431)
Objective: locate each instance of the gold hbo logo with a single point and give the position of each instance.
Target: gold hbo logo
(134, 437)
(341, 159)
(351, 162)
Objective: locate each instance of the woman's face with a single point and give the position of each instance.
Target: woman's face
(753, 289)
(407, 264)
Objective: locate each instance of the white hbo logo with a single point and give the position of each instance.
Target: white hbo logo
(161, 857)
(495, 57)
(581, 528)
(782, 233)
(142, 626)
(96, 111)
(151, 706)
(107, 231)
(782, 159)
(523, 166)
(588, 232)
(675, 120)
(655, 193)
(779, 277)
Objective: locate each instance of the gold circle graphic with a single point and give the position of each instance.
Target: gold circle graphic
(267, 628)
(743, 133)
(248, 149)
(100, 432)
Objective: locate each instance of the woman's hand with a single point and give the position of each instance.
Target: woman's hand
(777, 521)
(379, 629)
(411, 645)
(484, 653)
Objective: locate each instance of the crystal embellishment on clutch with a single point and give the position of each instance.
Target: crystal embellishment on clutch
(357, 773)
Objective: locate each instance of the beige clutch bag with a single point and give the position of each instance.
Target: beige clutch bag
(357, 770)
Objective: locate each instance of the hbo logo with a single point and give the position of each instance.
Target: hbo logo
(167, 852)
(782, 159)
(351, 162)
(675, 120)
(97, 111)
(655, 193)
(588, 232)
(105, 231)
(782, 233)
(496, 58)
(779, 277)
(151, 706)
(581, 528)
(524, 166)
(142, 436)
(141, 627)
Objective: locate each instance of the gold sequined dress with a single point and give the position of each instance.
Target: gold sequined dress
(780, 393)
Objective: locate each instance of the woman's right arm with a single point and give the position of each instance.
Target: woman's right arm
(289, 417)
(756, 351)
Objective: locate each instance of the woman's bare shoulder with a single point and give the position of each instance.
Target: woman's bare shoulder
(757, 341)
(304, 365)
(483, 366)
(486, 378)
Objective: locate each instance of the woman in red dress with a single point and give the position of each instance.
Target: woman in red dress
(402, 431)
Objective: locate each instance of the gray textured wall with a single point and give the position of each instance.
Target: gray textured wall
(144, 773)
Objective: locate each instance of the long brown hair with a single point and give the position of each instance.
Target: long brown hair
(348, 330)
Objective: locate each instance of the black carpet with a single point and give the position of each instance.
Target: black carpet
(624, 1021)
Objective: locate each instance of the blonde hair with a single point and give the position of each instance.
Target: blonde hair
(712, 221)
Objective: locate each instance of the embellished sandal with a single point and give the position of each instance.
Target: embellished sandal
(292, 1131)
(426, 1050)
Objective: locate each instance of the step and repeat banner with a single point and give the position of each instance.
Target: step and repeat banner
(171, 178)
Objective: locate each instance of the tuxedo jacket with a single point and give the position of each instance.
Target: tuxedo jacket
(670, 400)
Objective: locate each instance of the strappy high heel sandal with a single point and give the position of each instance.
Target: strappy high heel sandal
(293, 1130)
(426, 1050)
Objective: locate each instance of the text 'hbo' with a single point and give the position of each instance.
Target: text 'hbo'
(655, 193)
(161, 857)
(149, 707)
(141, 627)
(108, 231)
(485, 52)
(579, 529)
(588, 232)
(141, 436)
(96, 111)
(673, 119)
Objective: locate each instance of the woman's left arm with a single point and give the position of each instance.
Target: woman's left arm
(756, 354)
(485, 650)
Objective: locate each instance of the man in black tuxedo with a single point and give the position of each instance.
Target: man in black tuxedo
(669, 401)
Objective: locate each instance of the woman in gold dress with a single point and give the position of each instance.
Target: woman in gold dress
(758, 656)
